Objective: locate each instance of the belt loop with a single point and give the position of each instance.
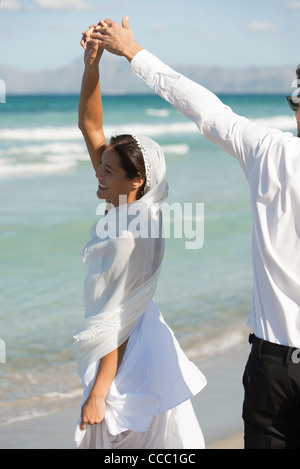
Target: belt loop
(288, 356)
(259, 352)
(256, 344)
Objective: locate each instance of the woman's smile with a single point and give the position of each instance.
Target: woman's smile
(102, 186)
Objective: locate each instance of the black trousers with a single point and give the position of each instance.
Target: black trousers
(271, 409)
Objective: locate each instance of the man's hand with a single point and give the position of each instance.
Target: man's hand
(118, 40)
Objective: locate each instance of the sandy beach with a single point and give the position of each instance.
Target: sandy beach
(232, 442)
(56, 432)
(218, 408)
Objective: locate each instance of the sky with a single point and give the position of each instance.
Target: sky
(45, 34)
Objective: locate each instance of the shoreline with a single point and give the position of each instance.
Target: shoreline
(61, 440)
(56, 432)
(218, 409)
(219, 406)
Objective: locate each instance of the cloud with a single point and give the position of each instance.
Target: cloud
(261, 27)
(293, 6)
(63, 4)
(10, 5)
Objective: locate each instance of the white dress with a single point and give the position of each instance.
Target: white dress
(148, 405)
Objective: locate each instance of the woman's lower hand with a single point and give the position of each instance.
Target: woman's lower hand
(93, 411)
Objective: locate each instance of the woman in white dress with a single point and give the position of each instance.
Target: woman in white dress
(137, 380)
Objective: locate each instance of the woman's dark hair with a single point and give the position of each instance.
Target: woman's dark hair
(131, 158)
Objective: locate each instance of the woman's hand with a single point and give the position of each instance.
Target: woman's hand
(93, 50)
(86, 36)
(93, 411)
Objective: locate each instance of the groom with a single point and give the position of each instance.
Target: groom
(270, 160)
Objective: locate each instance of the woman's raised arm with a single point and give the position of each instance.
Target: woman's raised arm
(90, 111)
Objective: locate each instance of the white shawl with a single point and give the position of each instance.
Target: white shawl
(124, 260)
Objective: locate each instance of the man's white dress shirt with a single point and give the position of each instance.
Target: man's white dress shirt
(270, 160)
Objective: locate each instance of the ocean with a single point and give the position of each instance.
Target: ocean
(48, 204)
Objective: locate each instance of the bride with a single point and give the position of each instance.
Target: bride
(137, 381)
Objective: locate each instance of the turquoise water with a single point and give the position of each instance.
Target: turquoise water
(48, 204)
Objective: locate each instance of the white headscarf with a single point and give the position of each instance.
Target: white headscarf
(123, 266)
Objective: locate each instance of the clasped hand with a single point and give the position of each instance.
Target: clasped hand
(110, 36)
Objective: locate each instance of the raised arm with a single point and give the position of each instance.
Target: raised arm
(90, 111)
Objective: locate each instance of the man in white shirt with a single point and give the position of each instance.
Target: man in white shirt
(270, 160)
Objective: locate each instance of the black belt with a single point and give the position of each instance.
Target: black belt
(274, 350)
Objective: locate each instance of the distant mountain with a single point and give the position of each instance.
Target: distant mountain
(117, 78)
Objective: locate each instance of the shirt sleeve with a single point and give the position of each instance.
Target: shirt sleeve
(241, 138)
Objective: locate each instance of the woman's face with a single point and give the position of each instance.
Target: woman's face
(112, 179)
